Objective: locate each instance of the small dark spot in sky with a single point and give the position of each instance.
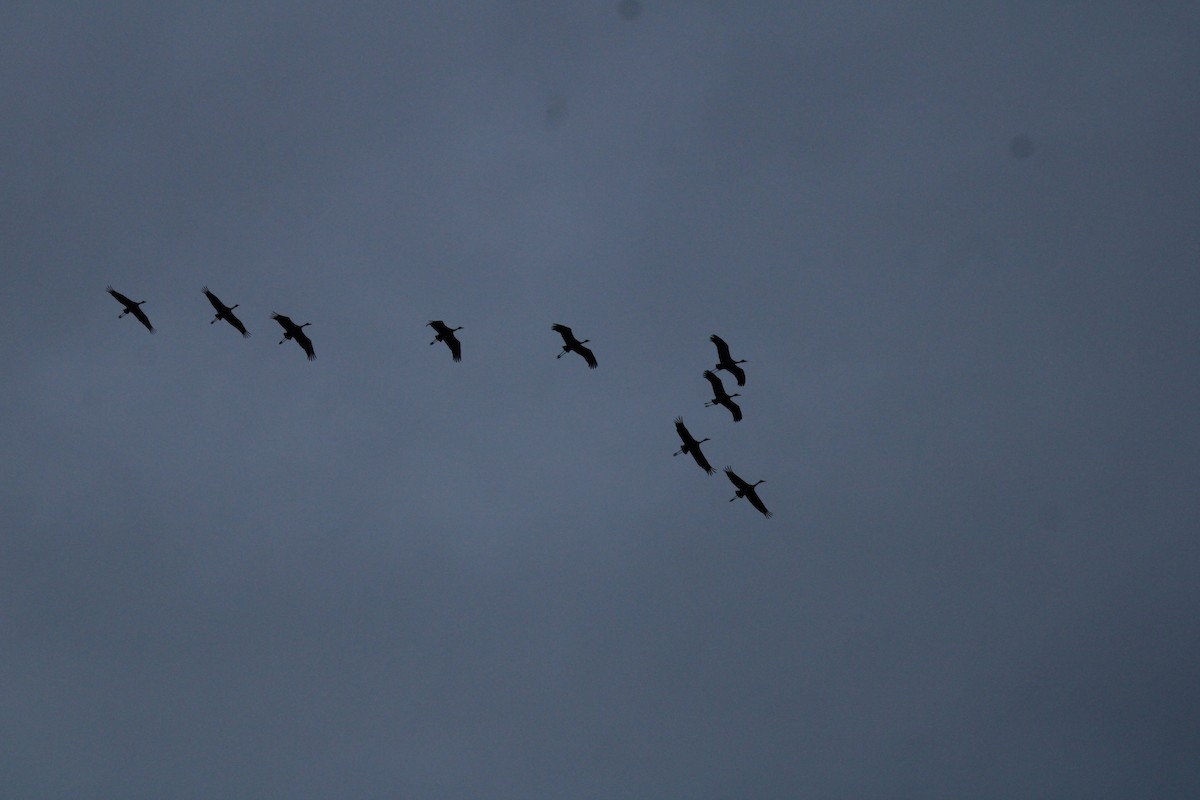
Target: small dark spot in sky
(556, 111)
(1021, 146)
(629, 9)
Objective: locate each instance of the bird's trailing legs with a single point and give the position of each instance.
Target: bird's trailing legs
(739, 494)
(714, 402)
(565, 350)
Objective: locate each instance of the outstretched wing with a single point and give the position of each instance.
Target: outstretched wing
(141, 317)
(701, 461)
(752, 496)
(122, 299)
(232, 319)
(564, 332)
(717, 386)
(722, 348)
(683, 432)
(304, 342)
(212, 298)
(735, 480)
(737, 372)
(587, 354)
(286, 322)
(733, 407)
(455, 346)
(438, 326)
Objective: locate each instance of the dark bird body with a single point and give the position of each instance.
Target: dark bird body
(691, 446)
(293, 331)
(746, 490)
(720, 397)
(226, 313)
(446, 334)
(726, 361)
(131, 308)
(573, 345)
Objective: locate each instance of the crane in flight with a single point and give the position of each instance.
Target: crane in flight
(573, 345)
(721, 397)
(726, 361)
(691, 446)
(446, 334)
(293, 331)
(131, 308)
(226, 313)
(746, 490)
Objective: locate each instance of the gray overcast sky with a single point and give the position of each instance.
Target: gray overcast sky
(972, 390)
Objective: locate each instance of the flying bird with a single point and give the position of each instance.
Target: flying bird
(726, 361)
(746, 490)
(131, 308)
(720, 397)
(573, 345)
(691, 446)
(226, 313)
(293, 331)
(445, 334)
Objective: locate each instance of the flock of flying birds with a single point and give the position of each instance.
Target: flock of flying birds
(722, 398)
(445, 334)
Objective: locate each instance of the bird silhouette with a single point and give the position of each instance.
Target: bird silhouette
(573, 345)
(691, 446)
(720, 397)
(131, 308)
(446, 334)
(293, 331)
(226, 313)
(746, 490)
(726, 361)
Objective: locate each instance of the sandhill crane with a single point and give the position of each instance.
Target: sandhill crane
(721, 398)
(726, 361)
(691, 446)
(573, 345)
(746, 490)
(446, 334)
(131, 308)
(226, 313)
(293, 331)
